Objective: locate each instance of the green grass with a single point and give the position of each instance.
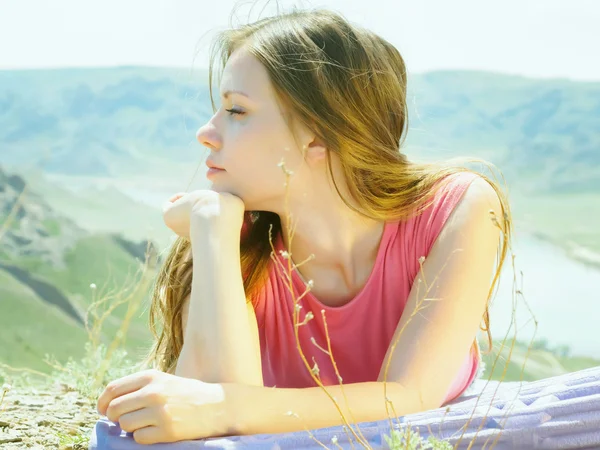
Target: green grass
(540, 363)
(573, 364)
(562, 218)
(100, 260)
(96, 259)
(52, 227)
(30, 328)
(74, 442)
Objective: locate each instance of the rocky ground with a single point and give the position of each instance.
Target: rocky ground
(51, 417)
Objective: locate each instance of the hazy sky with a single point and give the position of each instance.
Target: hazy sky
(537, 38)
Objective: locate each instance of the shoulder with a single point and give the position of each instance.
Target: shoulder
(478, 197)
(474, 213)
(460, 198)
(477, 193)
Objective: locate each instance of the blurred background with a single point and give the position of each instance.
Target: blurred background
(100, 102)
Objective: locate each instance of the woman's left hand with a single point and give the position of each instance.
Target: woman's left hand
(160, 407)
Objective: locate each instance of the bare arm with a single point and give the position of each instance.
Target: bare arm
(220, 332)
(431, 345)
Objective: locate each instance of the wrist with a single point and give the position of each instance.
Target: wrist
(236, 408)
(209, 223)
(223, 414)
(208, 239)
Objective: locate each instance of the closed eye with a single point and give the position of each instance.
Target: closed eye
(233, 111)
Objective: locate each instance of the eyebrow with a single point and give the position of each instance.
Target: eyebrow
(226, 93)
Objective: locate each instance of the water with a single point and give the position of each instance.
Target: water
(562, 293)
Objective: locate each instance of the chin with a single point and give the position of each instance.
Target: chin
(251, 203)
(218, 188)
(222, 189)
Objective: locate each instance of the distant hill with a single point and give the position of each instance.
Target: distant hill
(47, 264)
(100, 208)
(98, 121)
(30, 228)
(544, 134)
(127, 121)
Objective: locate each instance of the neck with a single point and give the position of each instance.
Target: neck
(334, 238)
(344, 243)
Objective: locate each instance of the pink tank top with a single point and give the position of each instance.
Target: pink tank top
(361, 330)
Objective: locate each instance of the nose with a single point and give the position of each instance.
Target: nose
(207, 136)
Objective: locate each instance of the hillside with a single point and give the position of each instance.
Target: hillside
(30, 228)
(47, 264)
(98, 206)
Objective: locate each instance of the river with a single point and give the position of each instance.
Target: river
(561, 292)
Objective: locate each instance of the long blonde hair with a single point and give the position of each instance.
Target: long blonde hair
(349, 86)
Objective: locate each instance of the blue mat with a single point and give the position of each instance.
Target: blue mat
(561, 412)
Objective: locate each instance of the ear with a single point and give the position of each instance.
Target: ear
(315, 152)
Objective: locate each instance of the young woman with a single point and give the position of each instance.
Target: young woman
(406, 255)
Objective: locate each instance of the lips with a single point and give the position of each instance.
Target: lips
(212, 165)
(213, 170)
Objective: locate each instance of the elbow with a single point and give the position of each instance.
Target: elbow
(190, 366)
(187, 365)
(413, 399)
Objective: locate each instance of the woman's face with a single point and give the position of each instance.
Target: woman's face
(248, 137)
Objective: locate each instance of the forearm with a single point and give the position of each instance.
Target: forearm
(278, 410)
(219, 345)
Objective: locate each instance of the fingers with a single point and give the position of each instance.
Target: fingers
(166, 206)
(148, 435)
(125, 404)
(169, 203)
(177, 196)
(122, 386)
(135, 420)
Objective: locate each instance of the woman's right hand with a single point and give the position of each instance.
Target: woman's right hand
(205, 208)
